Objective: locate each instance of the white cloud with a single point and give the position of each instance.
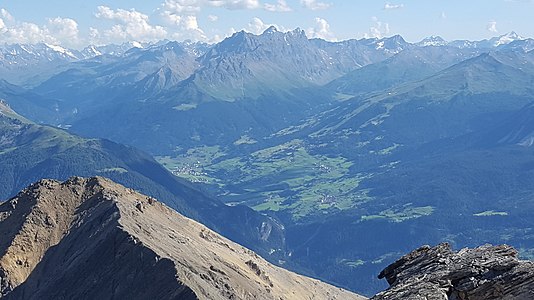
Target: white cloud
(64, 30)
(181, 16)
(378, 30)
(191, 23)
(26, 33)
(389, 6)
(443, 15)
(182, 6)
(215, 39)
(56, 31)
(194, 6)
(257, 26)
(6, 16)
(321, 30)
(315, 5)
(280, 6)
(129, 25)
(94, 36)
(171, 18)
(184, 27)
(235, 4)
(231, 31)
(492, 26)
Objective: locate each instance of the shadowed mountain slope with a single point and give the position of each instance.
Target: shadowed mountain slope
(30, 152)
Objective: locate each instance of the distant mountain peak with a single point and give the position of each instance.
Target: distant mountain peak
(513, 35)
(136, 44)
(393, 44)
(61, 50)
(4, 107)
(91, 51)
(272, 29)
(506, 39)
(433, 40)
(396, 37)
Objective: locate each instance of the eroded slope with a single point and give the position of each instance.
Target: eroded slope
(92, 238)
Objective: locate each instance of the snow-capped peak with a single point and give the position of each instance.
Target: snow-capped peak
(432, 41)
(507, 39)
(272, 29)
(94, 50)
(61, 50)
(136, 44)
(380, 45)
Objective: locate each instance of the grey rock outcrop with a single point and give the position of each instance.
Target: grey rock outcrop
(438, 273)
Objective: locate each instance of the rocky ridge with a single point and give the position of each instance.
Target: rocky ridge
(95, 239)
(487, 272)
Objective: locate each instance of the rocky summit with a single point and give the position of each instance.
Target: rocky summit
(95, 239)
(484, 273)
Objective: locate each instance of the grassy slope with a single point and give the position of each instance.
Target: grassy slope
(30, 152)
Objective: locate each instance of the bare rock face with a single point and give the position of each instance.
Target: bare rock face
(95, 239)
(484, 273)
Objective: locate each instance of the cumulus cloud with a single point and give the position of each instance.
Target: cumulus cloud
(492, 26)
(57, 31)
(184, 27)
(235, 4)
(191, 23)
(20, 32)
(257, 26)
(379, 29)
(6, 16)
(129, 25)
(182, 6)
(315, 5)
(64, 29)
(280, 6)
(26, 33)
(181, 15)
(94, 35)
(321, 30)
(193, 6)
(389, 6)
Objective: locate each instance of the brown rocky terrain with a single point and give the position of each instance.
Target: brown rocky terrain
(438, 273)
(95, 239)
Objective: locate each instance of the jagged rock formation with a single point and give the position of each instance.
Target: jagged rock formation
(95, 239)
(485, 273)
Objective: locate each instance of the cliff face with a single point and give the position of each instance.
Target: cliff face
(484, 273)
(94, 239)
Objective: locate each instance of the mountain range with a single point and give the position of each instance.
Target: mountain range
(30, 152)
(350, 152)
(89, 238)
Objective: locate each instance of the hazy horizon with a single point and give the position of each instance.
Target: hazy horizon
(76, 24)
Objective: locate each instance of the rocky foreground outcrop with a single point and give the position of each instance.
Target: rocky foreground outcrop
(438, 273)
(95, 239)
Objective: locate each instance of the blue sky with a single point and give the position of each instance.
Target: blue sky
(77, 23)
